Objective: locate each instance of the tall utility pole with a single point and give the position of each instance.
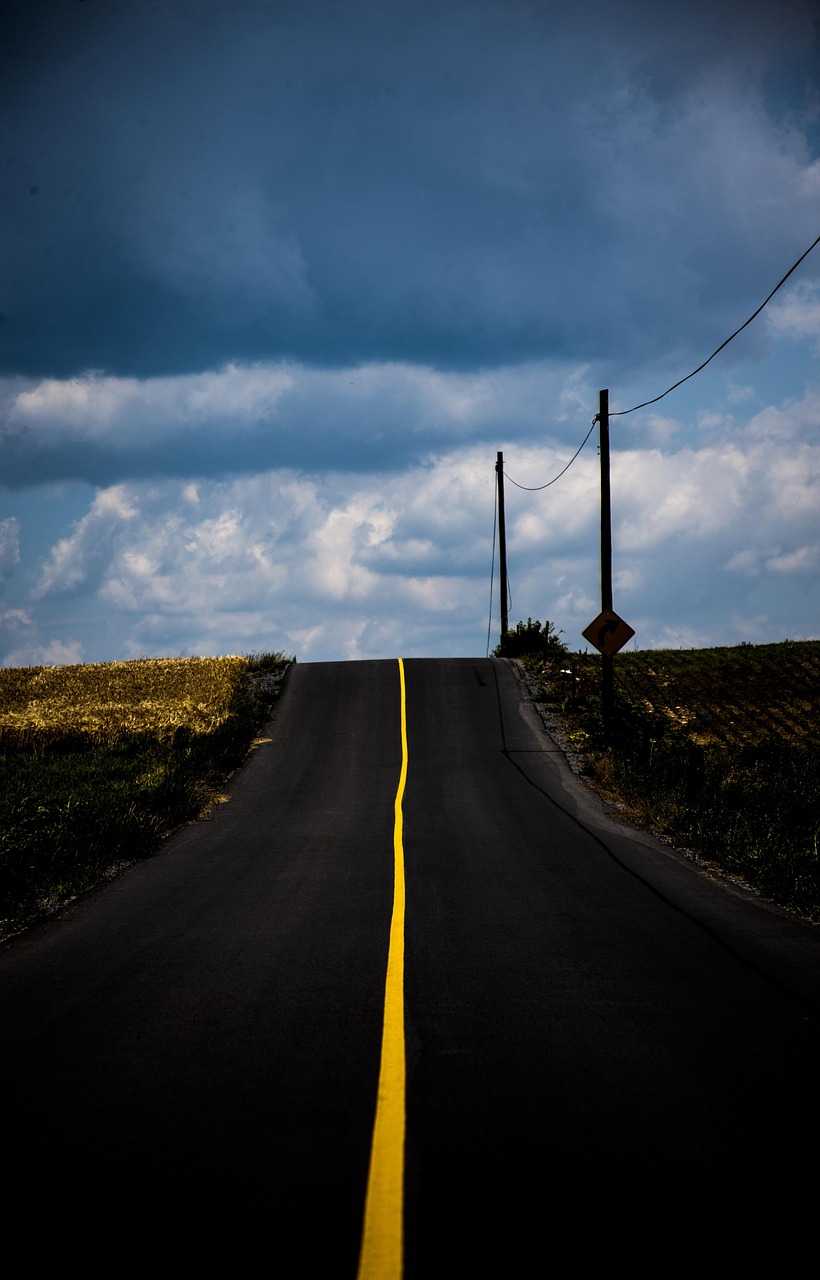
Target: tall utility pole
(502, 543)
(607, 660)
(608, 633)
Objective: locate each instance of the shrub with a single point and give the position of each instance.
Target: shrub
(531, 640)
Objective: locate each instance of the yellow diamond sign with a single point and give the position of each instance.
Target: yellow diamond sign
(608, 633)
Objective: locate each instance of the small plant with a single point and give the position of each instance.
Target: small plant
(531, 640)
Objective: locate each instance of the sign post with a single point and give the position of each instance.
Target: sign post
(607, 673)
(607, 633)
(606, 503)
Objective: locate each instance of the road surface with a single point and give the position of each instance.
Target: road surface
(606, 1057)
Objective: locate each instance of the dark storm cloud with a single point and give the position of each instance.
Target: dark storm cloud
(250, 418)
(463, 185)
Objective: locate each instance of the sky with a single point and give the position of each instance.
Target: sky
(278, 281)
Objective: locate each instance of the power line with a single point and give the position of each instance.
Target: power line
(621, 412)
(538, 487)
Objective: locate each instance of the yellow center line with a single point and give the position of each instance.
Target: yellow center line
(383, 1236)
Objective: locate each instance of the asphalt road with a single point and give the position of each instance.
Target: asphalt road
(610, 1058)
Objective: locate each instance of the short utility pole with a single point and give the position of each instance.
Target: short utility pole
(502, 544)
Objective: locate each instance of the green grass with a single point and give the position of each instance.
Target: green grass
(715, 749)
(101, 762)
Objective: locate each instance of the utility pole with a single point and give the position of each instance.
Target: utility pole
(608, 633)
(607, 660)
(502, 543)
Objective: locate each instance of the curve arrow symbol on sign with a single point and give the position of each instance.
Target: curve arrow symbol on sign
(609, 628)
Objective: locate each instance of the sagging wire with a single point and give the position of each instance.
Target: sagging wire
(620, 412)
(538, 487)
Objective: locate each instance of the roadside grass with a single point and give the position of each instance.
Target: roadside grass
(100, 762)
(713, 749)
(716, 750)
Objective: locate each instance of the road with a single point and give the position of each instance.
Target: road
(606, 1054)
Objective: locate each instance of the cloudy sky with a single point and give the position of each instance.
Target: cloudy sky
(279, 280)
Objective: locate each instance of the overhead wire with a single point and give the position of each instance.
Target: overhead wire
(538, 487)
(620, 412)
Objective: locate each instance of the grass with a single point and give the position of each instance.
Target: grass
(714, 749)
(100, 762)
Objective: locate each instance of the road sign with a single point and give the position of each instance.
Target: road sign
(608, 633)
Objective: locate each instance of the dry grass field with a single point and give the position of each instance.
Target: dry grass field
(99, 762)
(98, 703)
